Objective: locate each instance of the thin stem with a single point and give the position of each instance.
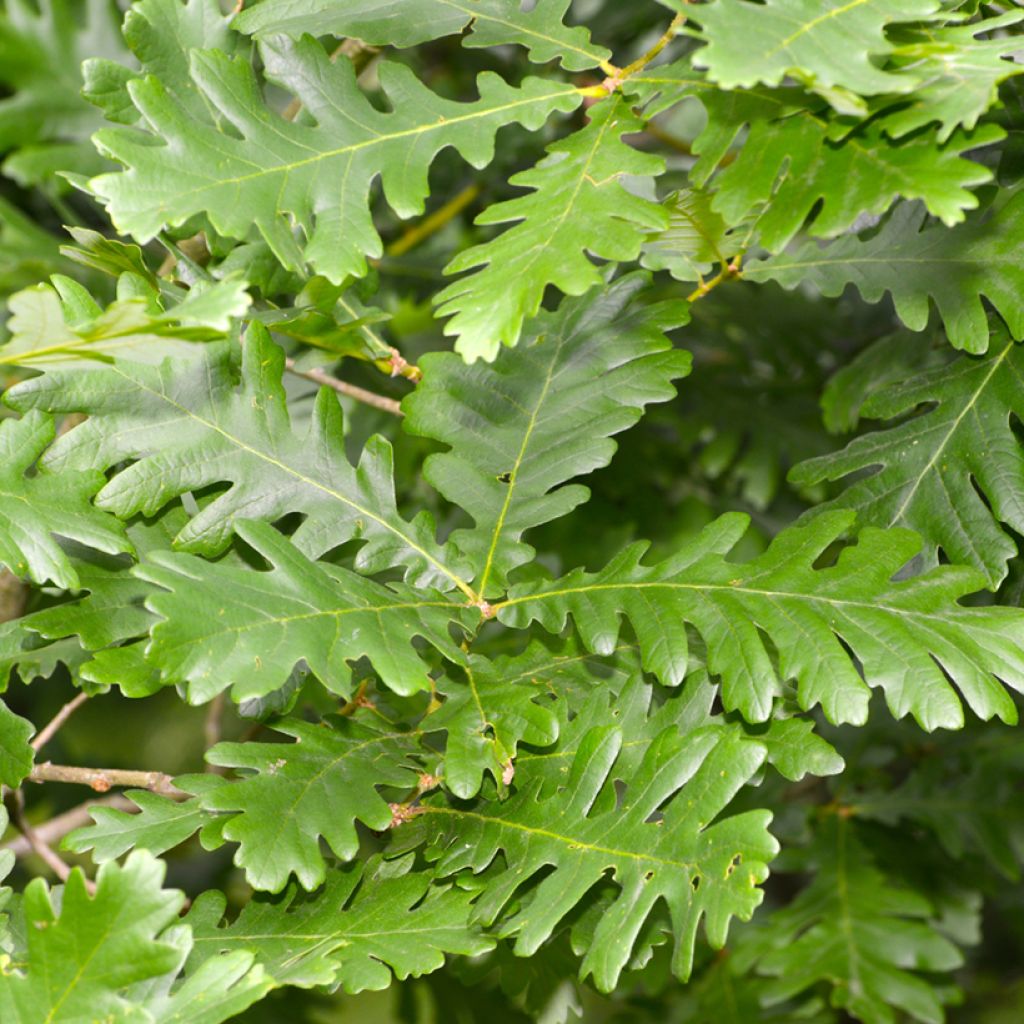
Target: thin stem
(103, 779)
(728, 272)
(343, 388)
(55, 829)
(15, 803)
(49, 730)
(432, 224)
(615, 80)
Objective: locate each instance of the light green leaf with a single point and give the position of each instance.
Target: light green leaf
(34, 509)
(189, 425)
(45, 330)
(541, 415)
(577, 208)
(825, 44)
(700, 870)
(954, 473)
(793, 161)
(318, 786)
(272, 173)
(915, 263)
(227, 626)
(695, 240)
(958, 73)
(351, 935)
(899, 633)
(486, 716)
(408, 22)
(159, 825)
(82, 958)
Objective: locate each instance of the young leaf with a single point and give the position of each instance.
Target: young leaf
(45, 331)
(700, 870)
(268, 171)
(222, 623)
(915, 263)
(486, 717)
(320, 785)
(351, 935)
(82, 958)
(577, 208)
(581, 374)
(954, 473)
(389, 23)
(35, 508)
(899, 633)
(188, 425)
(159, 825)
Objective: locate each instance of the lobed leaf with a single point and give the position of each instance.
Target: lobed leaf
(915, 263)
(954, 473)
(228, 626)
(541, 415)
(577, 208)
(352, 934)
(258, 168)
(826, 626)
(409, 22)
(189, 425)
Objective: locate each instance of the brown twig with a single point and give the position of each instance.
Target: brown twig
(48, 731)
(15, 803)
(103, 779)
(343, 388)
(57, 828)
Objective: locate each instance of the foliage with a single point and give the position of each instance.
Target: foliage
(422, 505)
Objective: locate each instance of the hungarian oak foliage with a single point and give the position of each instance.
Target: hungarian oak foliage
(421, 457)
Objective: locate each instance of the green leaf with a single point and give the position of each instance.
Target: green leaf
(223, 625)
(898, 633)
(826, 44)
(82, 958)
(200, 167)
(320, 785)
(914, 263)
(365, 924)
(700, 870)
(791, 161)
(581, 374)
(856, 930)
(695, 240)
(486, 717)
(892, 358)
(954, 473)
(959, 74)
(159, 825)
(16, 755)
(577, 208)
(409, 22)
(189, 425)
(33, 509)
(161, 34)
